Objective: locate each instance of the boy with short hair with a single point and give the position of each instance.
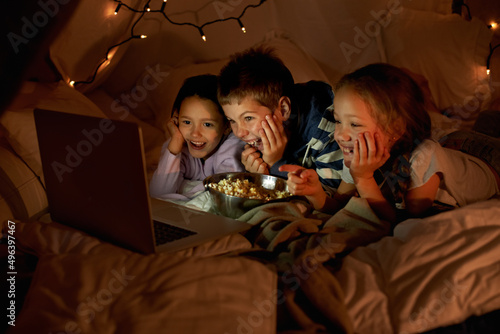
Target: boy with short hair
(281, 122)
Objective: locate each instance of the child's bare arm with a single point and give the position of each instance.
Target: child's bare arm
(419, 200)
(369, 155)
(344, 192)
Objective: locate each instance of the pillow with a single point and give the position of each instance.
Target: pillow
(19, 127)
(5, 212)
(111, 289)
(157, 294)
(21, 193)
(161, 99)
(18, 123)
(449, 51)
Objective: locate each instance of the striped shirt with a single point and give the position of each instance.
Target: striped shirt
(311, 144)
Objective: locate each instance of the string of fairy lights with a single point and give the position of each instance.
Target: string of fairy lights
(121, 5)
(493, 26)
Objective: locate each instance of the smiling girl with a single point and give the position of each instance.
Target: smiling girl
(383, 130)
(201, 143)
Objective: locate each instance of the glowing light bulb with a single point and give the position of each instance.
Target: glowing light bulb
(203, 37)
(242, 26)
(111, 53)
(117, 8)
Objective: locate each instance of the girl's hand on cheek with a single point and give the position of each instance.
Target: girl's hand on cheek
(369, 155)
(274, 140)
(177, 140)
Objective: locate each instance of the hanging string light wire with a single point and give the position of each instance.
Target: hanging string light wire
(493, 26)
(147, 9)
(492, 49)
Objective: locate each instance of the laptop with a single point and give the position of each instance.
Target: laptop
(95, 178)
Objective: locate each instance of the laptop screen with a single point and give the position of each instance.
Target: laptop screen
(94, 171)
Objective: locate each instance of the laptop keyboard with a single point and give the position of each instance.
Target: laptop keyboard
(167, 233)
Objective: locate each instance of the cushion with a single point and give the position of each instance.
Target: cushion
(5, 211)
(18, 123)
(112, 290)
(21, 193)
(121, 294)
(449, 51)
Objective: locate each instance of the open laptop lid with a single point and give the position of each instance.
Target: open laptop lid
(86, 162)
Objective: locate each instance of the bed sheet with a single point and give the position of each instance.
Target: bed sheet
(431, 273)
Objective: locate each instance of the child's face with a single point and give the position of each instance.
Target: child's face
(201, 125)
(353, 117)
(246, 120)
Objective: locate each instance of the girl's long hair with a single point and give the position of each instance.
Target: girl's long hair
(396, 102)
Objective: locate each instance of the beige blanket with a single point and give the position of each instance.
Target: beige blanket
(307, 248)
(431, 272)
(83, 285)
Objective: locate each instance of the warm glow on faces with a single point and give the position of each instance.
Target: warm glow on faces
(246, 120)
(201, 125)
(352, 117)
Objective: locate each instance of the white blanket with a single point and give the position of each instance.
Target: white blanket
(433, 272)
(84, 285)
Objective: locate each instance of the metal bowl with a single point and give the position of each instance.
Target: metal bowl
(234, 206)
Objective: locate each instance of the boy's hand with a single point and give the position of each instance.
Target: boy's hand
(177, 140)
(369, 155)
(305, 182)
(251, 159)
(274, 140)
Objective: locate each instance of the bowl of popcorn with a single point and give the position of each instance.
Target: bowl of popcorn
(233, 194)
